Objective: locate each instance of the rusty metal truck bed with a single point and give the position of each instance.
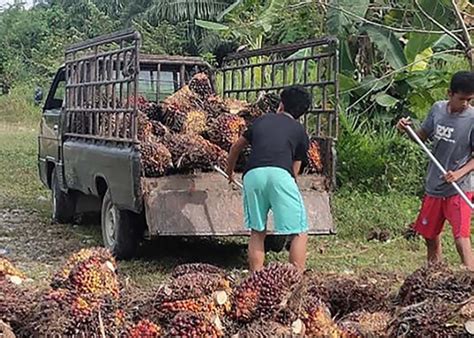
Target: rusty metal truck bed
(205, 204)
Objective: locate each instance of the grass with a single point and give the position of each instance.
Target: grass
(18, 109)
(356, 214)
(19, 181)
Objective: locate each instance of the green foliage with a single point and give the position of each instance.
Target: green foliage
(418, 42)
(388, 44)
(374, 157)
(17, 108)
(164, 38)
(341, 24)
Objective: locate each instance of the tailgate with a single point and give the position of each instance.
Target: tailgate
(205, 205)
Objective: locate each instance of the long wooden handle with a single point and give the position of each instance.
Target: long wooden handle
(222, 172)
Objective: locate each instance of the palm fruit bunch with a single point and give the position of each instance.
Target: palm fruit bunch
(140, 102)
(96, 277)
(177, 106)
(159, 130)
(436, 280)
(315, 164)
(367, 324)
(317, 288)
(214, 105)
(264, 293)
(225, 130)
(234, 106)
(190, 152)
(144, 328)
(185, 269)
(318, 322)
(467, 311)
(267, 103)
(15, 302)
(203, 305)
(201, 85)
(189, 324)
(144, 127)
(155, 158)
(431, 318)
(195, 123)
(263, 329)
(10, 272)
(347, 295)
(153, 111)
(5, 330)
(80, 123)
(61, 277)
(250, 114)
(65, 312)
(193, 292)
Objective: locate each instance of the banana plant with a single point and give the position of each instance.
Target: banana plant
(247, 21)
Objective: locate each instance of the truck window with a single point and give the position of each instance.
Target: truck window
(148, 83)
(56, 93)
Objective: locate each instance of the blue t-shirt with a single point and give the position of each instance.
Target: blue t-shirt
(453, 144)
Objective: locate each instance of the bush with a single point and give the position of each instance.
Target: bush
(372, 156)
(18, 107)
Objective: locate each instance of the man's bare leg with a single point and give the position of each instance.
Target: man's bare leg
(434, 250)
(298, 250)
(256, 250)
(463, 245)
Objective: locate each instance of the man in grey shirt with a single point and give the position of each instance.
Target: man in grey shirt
(450, 127)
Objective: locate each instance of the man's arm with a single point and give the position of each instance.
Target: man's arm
(296, 168)
(234, 153)
(454, 176)
(404, 122)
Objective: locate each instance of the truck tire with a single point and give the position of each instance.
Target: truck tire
(118, 231)
(64, 205)
(275, 243)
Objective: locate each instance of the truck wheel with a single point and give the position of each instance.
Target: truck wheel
(275, 243)
(118, 231)
(64, 204)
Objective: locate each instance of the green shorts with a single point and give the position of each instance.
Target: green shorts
(273, 188)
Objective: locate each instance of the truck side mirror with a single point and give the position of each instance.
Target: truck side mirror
(38, 95)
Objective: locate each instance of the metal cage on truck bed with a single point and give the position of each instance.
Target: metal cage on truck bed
(104, 76)
(101, 80)
(312, 64)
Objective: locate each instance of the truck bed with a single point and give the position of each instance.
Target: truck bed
(205, 204)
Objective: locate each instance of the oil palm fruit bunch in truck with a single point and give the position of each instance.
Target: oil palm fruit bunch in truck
(136, 136)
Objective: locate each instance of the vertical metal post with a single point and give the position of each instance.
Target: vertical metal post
(158, 80)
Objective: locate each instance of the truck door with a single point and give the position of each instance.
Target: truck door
(49, 139)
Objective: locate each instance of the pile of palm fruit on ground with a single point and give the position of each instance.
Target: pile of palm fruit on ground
(87, 297)
(193, 129)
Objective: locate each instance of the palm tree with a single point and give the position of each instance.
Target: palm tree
(187, 10)
(175, 11)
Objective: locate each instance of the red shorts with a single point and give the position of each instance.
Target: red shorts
(436, 210)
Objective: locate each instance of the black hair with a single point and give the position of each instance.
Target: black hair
(462, 82)
(296, 100)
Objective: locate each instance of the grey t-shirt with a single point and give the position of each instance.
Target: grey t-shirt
(453, 145)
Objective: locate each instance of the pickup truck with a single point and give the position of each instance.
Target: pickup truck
(92, 168)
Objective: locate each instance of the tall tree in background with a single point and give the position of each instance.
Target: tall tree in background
(176, 11)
